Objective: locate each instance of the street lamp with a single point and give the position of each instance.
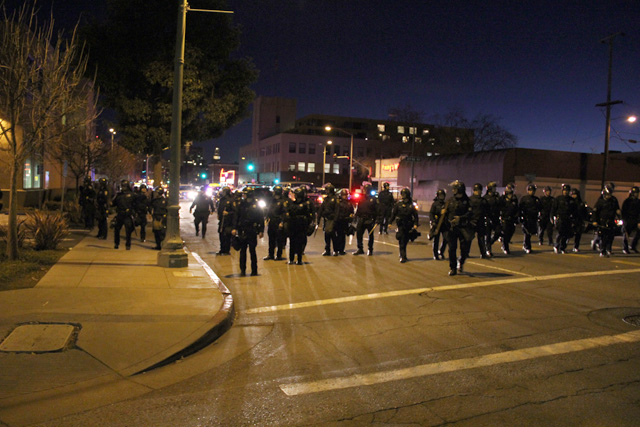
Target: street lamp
(328, 129)
(112, 131)
(324, 159)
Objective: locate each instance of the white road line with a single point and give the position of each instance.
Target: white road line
(305, 304)
(628, 263)
(500, 269)
(338, 383)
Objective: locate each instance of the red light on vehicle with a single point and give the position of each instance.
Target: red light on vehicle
(356, 195)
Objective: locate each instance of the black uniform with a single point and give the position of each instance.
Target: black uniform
(529, 214)
(385, 198)
(88, 204)
(344, 217)
(604, 218)
(276, 210)
(248, 223)
(406, 216)
(439, 238)
(124, 215)
(509, 210)
(298, 220)
(141, 207)
(227, 207)
(494, 225)
(479, 208)
(204, 207)
(159, 205)
(631, 218)
(458, 216)
(367, 215)
(102, 209)
(562, 212)
(582, 215)
(544, 221)
(327, 212)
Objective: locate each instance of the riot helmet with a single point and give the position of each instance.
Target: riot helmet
(477, 187)
(277, 190)
(330, 189)
(405, 194)
(298, 194)
(385, 185)
(532, 187)
(458, 187)
(440, 194)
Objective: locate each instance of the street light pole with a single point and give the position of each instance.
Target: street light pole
(172, 254)
(324, 160)
(608, 104)
(112, 131)
(328, 129)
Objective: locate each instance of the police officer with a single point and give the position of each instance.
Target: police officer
(544, 221)
(343, 227)
(562, 212)
(276, 210)
(605, 213)
(509, 210)
(529, 214)
(494, 226)
(298, 218)
(582, 214)
(327, 212)
(227, 206)
(438, 231)
(123, 201)
(248, 226)
(631, 221)
(479, 209)
(159, 210)
(102, 208)
(367, 215)
(88, 203)
(406, 216)
(458, 216)
(385, 198)
(204, 208)
(141, 208)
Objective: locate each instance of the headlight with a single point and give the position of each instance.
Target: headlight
(192, 194)
(262, 204)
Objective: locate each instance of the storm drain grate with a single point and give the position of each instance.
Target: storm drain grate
(633, 320)
(39, 338)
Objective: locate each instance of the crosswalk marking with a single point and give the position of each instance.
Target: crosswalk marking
(338, 383)
(316, 303)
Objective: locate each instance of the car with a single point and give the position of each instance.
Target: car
(262, 193)
(188, 192)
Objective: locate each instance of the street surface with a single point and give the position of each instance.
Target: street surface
(535, 339)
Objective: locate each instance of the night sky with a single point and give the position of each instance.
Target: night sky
(539, 65)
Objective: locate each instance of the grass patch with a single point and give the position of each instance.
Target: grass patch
(28, 270)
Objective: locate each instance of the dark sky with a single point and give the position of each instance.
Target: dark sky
(538, 65)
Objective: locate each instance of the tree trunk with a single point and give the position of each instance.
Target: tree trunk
(12, 231)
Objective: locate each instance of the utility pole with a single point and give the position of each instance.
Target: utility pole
(608, 104)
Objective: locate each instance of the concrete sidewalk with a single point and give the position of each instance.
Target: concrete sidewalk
(101, 316)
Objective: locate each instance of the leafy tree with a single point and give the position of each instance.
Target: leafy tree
(117, 163)
(133, 51)
(41, 84)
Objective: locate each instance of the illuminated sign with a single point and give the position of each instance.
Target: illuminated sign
(390, 168)
(227, 177)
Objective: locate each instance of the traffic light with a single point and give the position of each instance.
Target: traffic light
(250, 167)
(203, 175)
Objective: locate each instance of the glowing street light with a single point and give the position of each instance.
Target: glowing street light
(112, 131)
(324, 159)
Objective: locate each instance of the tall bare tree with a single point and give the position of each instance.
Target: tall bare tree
(40, 77)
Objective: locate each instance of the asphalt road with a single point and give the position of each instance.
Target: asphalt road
(535, 339)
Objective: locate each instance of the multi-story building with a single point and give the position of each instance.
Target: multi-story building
(284, 148)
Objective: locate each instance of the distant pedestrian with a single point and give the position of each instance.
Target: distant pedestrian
(581, 215)
(276, 210)
(479, 209)
(631, 221)
(88, 203)
(387, 203)
(494, 226)
(458, 216)
(141, 204)
(367, 215)
(544, 221)
(298, 219)
(406, 216)
(562, 212)
(508, 205)
(605, 213)
(327, 212)
(102, 208)
(227, 206)
(344, 218)
(204, 208)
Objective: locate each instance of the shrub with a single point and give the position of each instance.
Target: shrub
(22, 232)
(73, 212)
(47, 228)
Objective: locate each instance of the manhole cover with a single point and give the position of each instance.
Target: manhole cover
(38, 338)
(633, 320)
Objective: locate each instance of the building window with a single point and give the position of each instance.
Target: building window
(401, 129)
(301, 166)
(312, 149)
(302, 148)
(268, 150)
(425, 131)
(292, 166)
(381, 128)
(292, 147)
(276, 148)
(27, 175)
(405, 139)
(327, 168)
(311, 167)
(413, 130)
(336, 168)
